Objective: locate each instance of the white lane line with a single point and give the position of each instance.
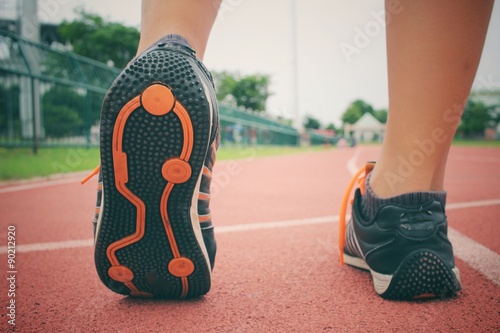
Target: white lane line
(277, 224)
(476, 255)
(79, 243)
(37, 247)
(471, 252)
(472, 204)
(351, 164)
(45, 183)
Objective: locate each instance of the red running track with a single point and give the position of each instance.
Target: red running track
(277, 267)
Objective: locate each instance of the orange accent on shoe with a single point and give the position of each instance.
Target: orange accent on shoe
(187, 130)
(425, 296)
(181, 267)
(207, 172)
(121, 178)
(136, 292)
(157, 99)
(140, 294)
(180, 171)
(176, 171)
(204, 218)
(120, 273)
(171, 239)
(166, 220)
(92, 174)
(204, 196)
(345, 199)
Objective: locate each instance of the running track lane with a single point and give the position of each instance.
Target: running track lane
(277, 268)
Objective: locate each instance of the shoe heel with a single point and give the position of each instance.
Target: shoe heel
(421, 275)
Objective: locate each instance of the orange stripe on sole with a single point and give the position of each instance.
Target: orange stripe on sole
(158, 100)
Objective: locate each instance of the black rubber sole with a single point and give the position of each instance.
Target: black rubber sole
(153, 251)
(421, 275)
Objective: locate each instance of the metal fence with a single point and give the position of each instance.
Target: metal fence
(50, 97)
(47, 96)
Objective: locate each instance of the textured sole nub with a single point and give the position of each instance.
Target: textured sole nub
(421, 275)
(155, 131)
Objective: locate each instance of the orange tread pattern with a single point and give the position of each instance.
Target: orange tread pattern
(158, 100)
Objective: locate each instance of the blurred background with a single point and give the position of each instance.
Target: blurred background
(288, 72)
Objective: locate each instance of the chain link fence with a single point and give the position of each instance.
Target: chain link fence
(50, 97)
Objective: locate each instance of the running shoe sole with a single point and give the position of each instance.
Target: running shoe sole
(422, 274)
(156, 125)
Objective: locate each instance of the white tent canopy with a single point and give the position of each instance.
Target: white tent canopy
(367, 128)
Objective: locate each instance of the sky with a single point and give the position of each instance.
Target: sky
(255, 37)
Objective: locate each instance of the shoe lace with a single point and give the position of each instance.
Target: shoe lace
(360, 178)
(92, 174)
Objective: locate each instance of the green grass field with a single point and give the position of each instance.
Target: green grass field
(20, 163)
(476, 143)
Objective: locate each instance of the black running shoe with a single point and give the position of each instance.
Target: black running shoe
(159, 134)
(407, 251)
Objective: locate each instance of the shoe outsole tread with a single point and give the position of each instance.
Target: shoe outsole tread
(146, 241)
(423, 274)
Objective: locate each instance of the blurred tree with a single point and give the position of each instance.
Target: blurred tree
(331, 126)
(224, 83)
(312, 123)
(61, 120)
(62, 107)
(9, 114)
(91, 36)
(250, 92)
(355, 111)
(381, 115)
(285, 121)
(475, 119)
(495, 114)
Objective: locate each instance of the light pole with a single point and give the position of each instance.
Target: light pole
(297, 121)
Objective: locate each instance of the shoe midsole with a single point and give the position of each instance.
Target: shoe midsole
(381, 282)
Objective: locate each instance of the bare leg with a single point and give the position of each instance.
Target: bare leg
(191, 19)
(433, 50)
